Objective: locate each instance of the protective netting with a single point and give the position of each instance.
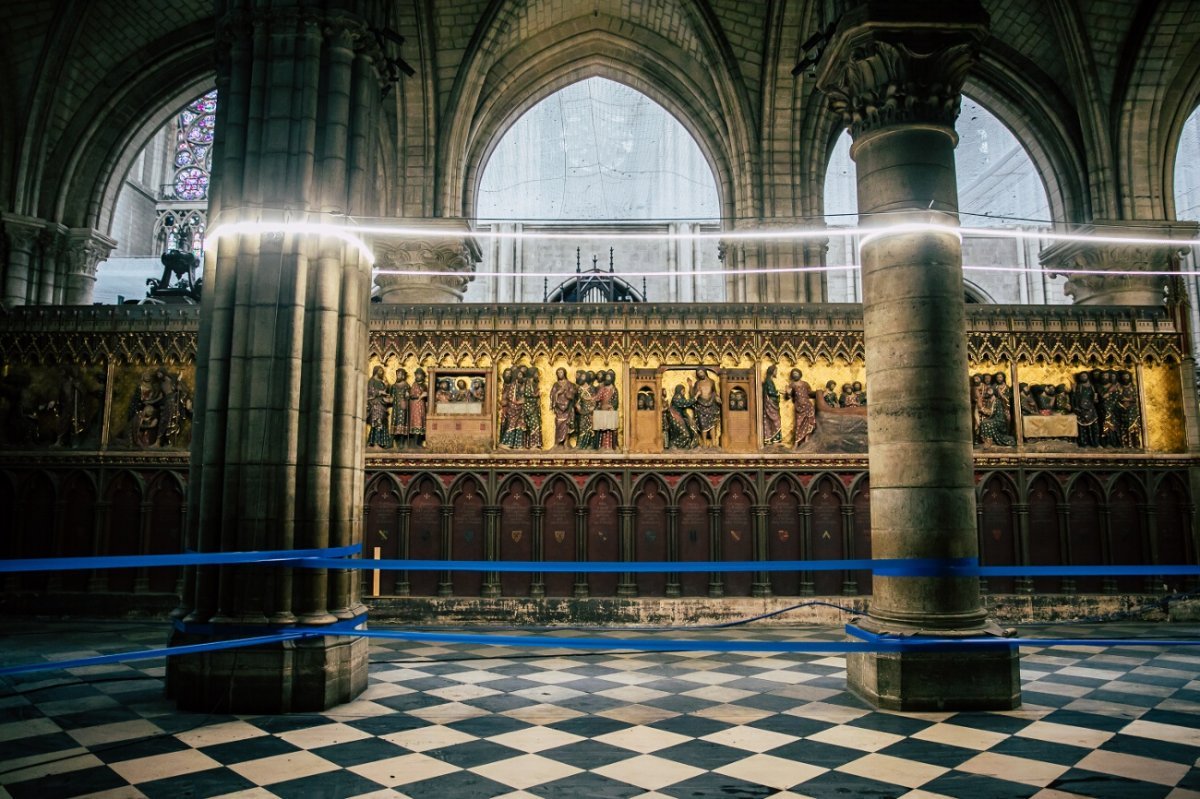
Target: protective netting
(597, 150)
(1187, 170)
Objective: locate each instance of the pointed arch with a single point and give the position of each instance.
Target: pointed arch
(694, 499)
(1085, 536)
(1044, 495)
(650, 543)
(560, 503)
(1128, 536)
(424, 534)
(516, 531)
(784, 531)
(124, 493)
(603, 532)
(467, 532)
(996, 502)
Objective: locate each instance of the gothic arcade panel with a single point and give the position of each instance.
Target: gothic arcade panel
(424, 536)
(78, 527)
(516, 536)
(1127, 530)
(997, 538)
(1173, 528)
(826, 535)
(558, 536)
(603, 537)
(862, 534)
(737, 536)
(124, 527)
(783, 537)
(650, 537)
(382, 538)
(1045, 534)
(467, 537)
(694, 536)
(1085, 533)
(166, 530)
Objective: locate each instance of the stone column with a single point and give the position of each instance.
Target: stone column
(894, 70)
(52, 242)
(1112, 256)
(277, 454)
(452, 253)
(21, 233)
(85, 249)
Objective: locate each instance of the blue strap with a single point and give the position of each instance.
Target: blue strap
(886, 566)
(178, 559)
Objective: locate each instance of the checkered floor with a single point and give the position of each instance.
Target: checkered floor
(459, 722)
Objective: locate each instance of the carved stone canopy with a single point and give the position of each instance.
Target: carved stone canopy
(892, 63)
(1120, 257)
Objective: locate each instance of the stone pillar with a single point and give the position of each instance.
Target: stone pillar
(894, 70)
(1111, 256)
(277, 454)
(85, 249)
(50, 288)
(21, 233)
(453, 253)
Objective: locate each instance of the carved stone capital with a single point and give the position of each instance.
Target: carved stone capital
(85, 249)
(22, 232)
(1084, 263)
(437, 269)
(901, 63)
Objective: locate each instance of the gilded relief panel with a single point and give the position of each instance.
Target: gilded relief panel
(151, 407)
(51, 406)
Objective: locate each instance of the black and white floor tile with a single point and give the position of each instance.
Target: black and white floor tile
(468, 721)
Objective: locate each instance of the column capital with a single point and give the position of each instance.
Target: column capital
(451, 260)
(85, 249)
(1120, 288)
(22, 231)
(893, 63)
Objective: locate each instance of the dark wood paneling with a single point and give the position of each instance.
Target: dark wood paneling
(783, 538)
(737, 536)
(467, 538)
(1084, 531)
(826, 542)
(166, 530)
(604, 537)
(1045, 544)
(383, 531)
(1127, 530)
(997, 537)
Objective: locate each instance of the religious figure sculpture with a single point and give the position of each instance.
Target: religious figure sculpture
(605, 417)
(378, 400)
(585, 403)
(678, 430)
(1128, 415)
(860, 394)
(772, 422)
(562, 405)
(531, 397)
(804, 415)
(513, 424)
(993, 420)
(1028, 404)
(706, 408)
(829, 397)
(418, 399)
(1110, 425)
(1085, 402)
(1003, 394)
(400, 398)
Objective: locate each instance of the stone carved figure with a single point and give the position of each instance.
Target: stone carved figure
(585, 404)
(993, 424)
(1028, 404)
(706, 408)
(1128, 414)
(531, 397)
(804, 415)
(772, 422)
(607, 399)
(400, 392)
(679, 432)
(513, 424)
(1085, 402)
(860, 394)
(418, 403)
(379, 399)
(1110, 424)
(159, 407)
(562, 405)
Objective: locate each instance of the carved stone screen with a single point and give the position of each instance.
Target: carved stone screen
(516, 537)
(382, 534)
(1045, 544)
(737, 537)
(1085, 533)
(693, 537)
(997, 542)
(467, 537)
(650, 537)
(825, 535)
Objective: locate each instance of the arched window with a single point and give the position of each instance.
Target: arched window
(193, 148)
(1187, 203)
(998, 186)
(603, 158)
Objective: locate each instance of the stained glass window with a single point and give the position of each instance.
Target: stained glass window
(193, 148)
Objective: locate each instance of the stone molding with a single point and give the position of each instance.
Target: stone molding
(900, 63)
(22, 232)
(85, 249)
(1120, 289)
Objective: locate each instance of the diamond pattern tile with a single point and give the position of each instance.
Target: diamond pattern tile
(474, 722)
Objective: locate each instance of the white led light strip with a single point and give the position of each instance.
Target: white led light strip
(300, 228)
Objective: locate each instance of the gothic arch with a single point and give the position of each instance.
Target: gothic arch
(84, 175)
(414, 484)
(489, 97)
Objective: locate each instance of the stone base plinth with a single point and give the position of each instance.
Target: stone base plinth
(310, 674)
(983, 678)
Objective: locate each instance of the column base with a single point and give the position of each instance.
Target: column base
(310, 674)
(979, 679)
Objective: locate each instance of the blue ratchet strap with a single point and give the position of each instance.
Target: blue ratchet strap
(328, 554)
